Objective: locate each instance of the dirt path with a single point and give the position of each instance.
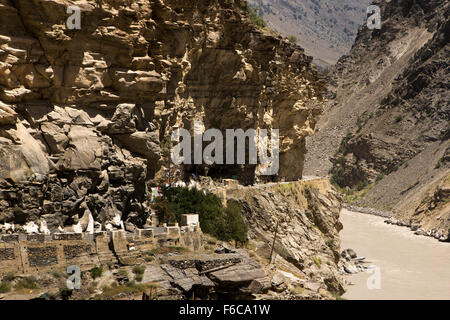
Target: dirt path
(411, 266)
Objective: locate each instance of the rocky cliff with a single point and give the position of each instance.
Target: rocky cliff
(85, 113)
(303, 217)
(385, 130)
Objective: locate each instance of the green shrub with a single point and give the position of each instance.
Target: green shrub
(139, 270)
(341, 160)
(396, 101)
(96, 272)
(253, 17)
(317, 261)
(138, 277)
(440, 163)
(344, 141)
(362, 185)
(292, 39)
(337, 296)
(151, 253)
(335, 181)
(131, 284)
(123, 273)
(379, 177)
(337, 174)
(9, 277)
(211, 240)
(4, 287)
(26, 283)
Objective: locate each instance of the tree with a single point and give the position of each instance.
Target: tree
(161, 207)
(224, 223)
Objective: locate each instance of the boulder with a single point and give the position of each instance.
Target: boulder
(312, 285)
(260, 285)
(127, 119)
(85, 150)
(24, 159)
(237, 275)
(349, 254)
(86, 221)
(145, 144)
(185, 279)
(281, 279)
(55, 137)
(350, 268)
(224, 248)
(7, 115)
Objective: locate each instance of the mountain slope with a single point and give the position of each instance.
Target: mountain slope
(326, 28)
(386, 129)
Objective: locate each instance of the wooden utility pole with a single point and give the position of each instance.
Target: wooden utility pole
(166, 151)
(170, 173)
(274, 239)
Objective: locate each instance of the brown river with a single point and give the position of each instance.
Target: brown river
(407, 266)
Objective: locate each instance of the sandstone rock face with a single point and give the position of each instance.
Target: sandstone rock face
(83, 113)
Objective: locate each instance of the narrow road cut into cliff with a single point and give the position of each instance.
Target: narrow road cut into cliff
(411, 266)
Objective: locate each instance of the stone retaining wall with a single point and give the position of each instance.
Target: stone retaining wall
(26, 254)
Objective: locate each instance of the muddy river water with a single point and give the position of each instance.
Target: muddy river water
(407, 266)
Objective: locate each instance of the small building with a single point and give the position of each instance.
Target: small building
(189, 220)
